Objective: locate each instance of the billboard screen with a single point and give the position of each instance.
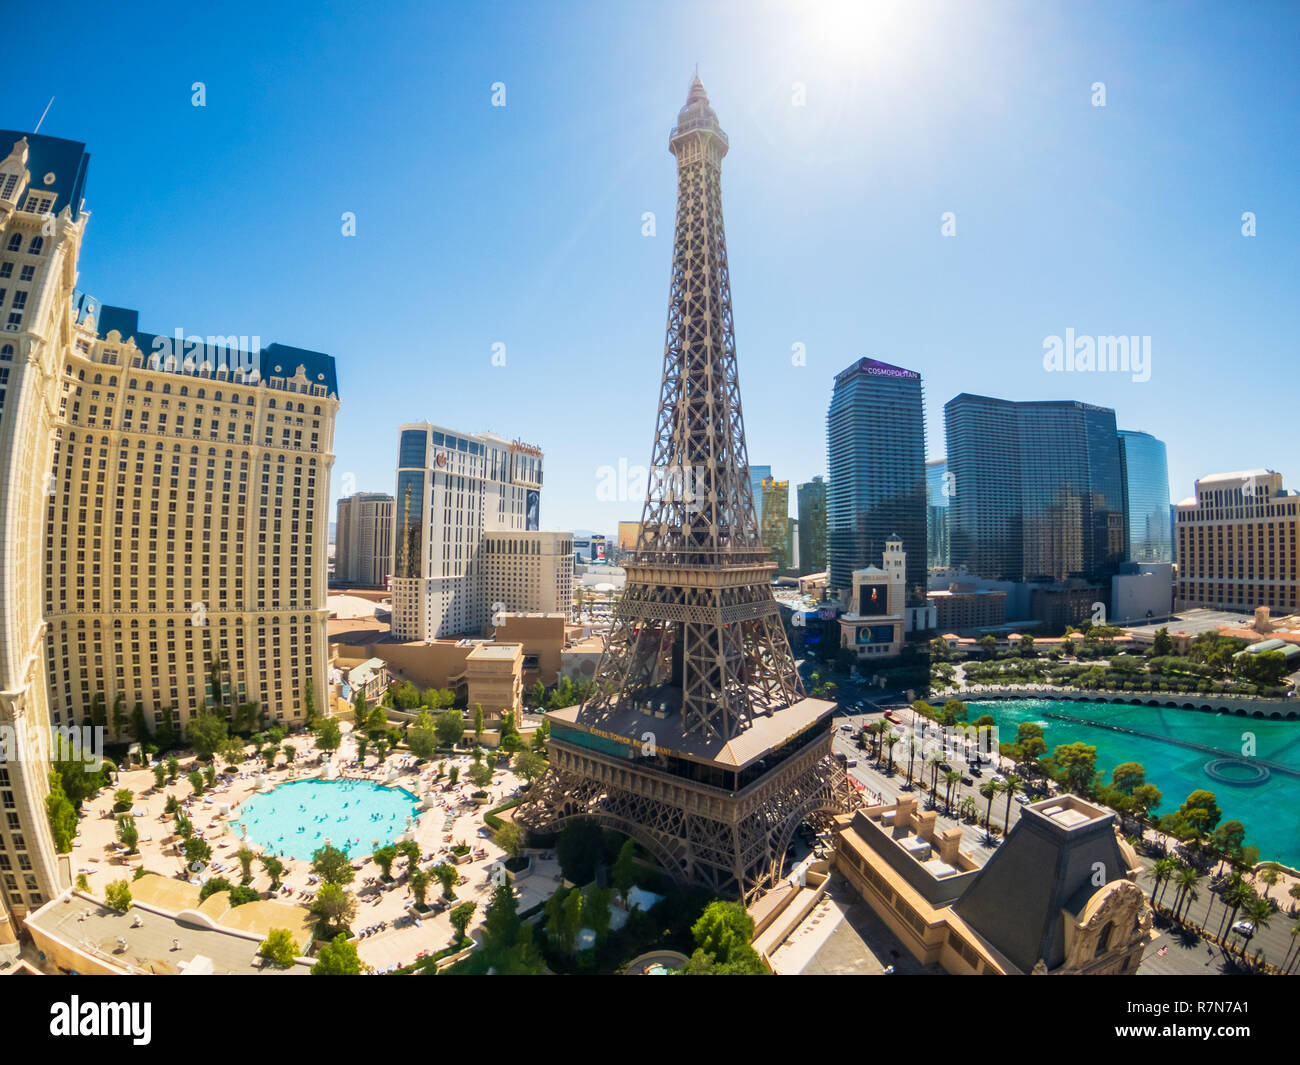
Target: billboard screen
(534, 519)
(875, 634)
(873, 599)
(597, 549)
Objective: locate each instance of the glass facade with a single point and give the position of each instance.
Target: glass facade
(757, 475)
(1036, 490)
(812, 525)
(875, 443)
(408, 518)
(936, 514)
(1146, 498)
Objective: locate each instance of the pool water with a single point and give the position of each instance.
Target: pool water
(1268, 804)
(296, 818)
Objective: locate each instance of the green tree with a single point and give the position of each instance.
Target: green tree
(1200, 812)
(723, 927)
(333, 909)
(460, 917)
(623, 875)
(1146, 797)
(196, 782)
(196, 850)
(1162, 644)
(117, 896)
(510, 838)
(329, 737)
(159, 775)
(1078, 764)
(332, 865)
(418, 882)
(173, 767)
(274, 869)
(1128, 776)
(453, 776)
(578, 849)
(337, 958)
(481, 775)
(206, 733)
(279, 948)
(128, 833)
(384, 858)
(61, 813)
(446, 876)
(478, 721)
(450, 727)
(245, 857)
(422, 737)
(596, 912)
(530, 765)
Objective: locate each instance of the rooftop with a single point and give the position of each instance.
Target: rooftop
(86, 925)
(625, 724)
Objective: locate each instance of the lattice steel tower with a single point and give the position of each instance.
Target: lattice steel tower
(698, 740)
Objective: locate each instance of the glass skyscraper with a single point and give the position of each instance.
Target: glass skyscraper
(936, 514)
(1146, 498)
(757, 475)
(875, 443)
(1036, 489)
(812, 525)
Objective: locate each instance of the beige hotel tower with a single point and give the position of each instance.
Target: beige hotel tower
(163, 513)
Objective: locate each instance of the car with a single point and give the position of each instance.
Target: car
(976, 771)
(846, 728)
(850, 762)
(944, 767)
(998, 778)
(1023, 798)
(1244, 928)
(967, 780)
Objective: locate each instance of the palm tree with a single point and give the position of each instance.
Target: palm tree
(1010, 786)
(1236, 895)
(911, 757)
(1293, 953)
(1295, 894)
(891, 738)
(952, 777)
(1188, 877)
(988, 789)
(1270, 874)
(934, 763)
(1259, 912)
(1161, 872)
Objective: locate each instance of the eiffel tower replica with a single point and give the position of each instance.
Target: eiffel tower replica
(698, 740)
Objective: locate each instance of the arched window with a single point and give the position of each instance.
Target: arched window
(15, 242)
(34, 248)
(7, 353)
(1103, 940)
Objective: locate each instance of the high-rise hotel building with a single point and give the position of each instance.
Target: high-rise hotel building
(1036, 489)
(41, 226)
(363, 540)
(187, 525)
(163, 510)
(875, 443)
(1237, 544)
(466, 537)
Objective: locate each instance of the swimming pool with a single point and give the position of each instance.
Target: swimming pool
(296, 818)
(1183, 750)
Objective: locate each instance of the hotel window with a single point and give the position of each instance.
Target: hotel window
(34, 248)
(28, 272)
(6, 269)
(15, 242)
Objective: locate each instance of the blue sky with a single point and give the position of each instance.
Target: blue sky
(522, 225)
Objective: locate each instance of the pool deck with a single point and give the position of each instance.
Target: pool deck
(96, 850)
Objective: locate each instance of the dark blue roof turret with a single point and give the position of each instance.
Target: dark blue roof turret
(52, 157)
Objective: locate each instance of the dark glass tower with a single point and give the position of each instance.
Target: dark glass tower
(875, 444)
(812, 525)
(1146, 498)
(1037, 489)
(937, 491)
